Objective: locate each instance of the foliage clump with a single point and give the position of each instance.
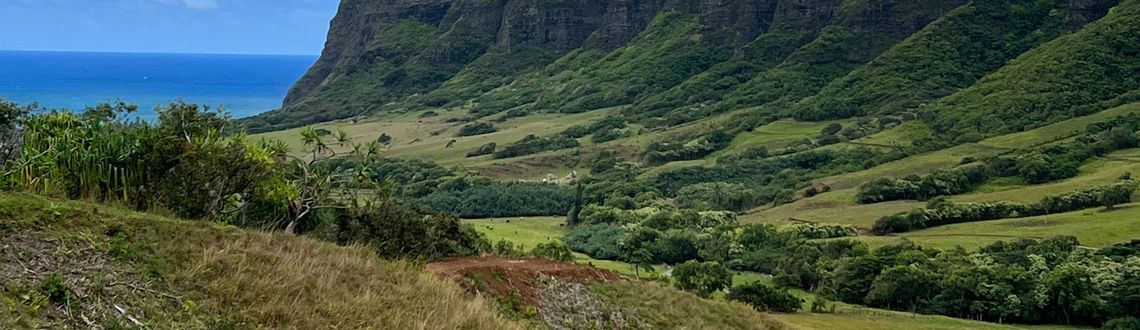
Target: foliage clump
(485, 149)
(532, 144)
(702, 278)
(765, 298)
(185, 163)
(950, 213)
(476, 129)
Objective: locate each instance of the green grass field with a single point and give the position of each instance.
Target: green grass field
(780, 133)
(901, 135)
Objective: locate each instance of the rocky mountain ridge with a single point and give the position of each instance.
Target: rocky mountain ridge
(397, 55)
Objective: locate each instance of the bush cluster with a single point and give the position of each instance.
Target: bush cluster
(476, 129)
(807, 230)
(1040, 165)
(495, 199)
(532, 144)
(664, 152)
(950, 213)
(1027, 281)
(765, 298)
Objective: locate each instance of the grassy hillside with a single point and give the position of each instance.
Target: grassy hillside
(112, 268)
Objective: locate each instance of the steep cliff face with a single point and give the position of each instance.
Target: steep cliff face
(673, 60)
(472, 46)
(623, 20)
(353, 32)
(558, 27)
(1082, 12)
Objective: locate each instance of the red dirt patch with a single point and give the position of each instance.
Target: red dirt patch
(502, 276)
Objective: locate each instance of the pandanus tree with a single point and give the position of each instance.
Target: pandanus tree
(314, 187)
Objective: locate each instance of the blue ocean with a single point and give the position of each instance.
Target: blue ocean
(244, 85)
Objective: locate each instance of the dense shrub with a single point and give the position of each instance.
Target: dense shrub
(765, 298)
(771, 176)
(607, 135)
(941, 183)
(485, 149)
(664, 152)
(1040, 165)
(717, 196)
(702, 278)
(949, 213)
(1028, 281)
(493, 199)
(476, 129)
(552, 251)
(395, 230)
(607, 129)
(181, 163)
(532, 144)
(409, 177)
(818, 230)
(599, 241)
(1124, 323)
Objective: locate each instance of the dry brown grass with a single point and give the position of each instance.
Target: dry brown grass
(281, 281)
(224, 277)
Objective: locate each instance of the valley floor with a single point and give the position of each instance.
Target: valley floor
(529, 231)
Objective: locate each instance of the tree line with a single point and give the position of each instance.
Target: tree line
(943, 212)
(1040, 165)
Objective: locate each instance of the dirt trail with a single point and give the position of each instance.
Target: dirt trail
(504, 275)
(548, 267)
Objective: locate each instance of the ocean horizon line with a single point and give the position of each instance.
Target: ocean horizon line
(153, 53)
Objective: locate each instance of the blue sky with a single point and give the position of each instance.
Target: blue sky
(167, 26)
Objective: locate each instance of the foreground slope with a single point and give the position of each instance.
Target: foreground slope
(80, 265)
(73, 264)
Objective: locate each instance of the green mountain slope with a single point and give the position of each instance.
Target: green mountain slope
(864, 29)
(791, 29)
(672, 61)
(662, 56)
(1061, 79)
(950, 54)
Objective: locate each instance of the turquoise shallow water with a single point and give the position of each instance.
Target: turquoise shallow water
(245, 85)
